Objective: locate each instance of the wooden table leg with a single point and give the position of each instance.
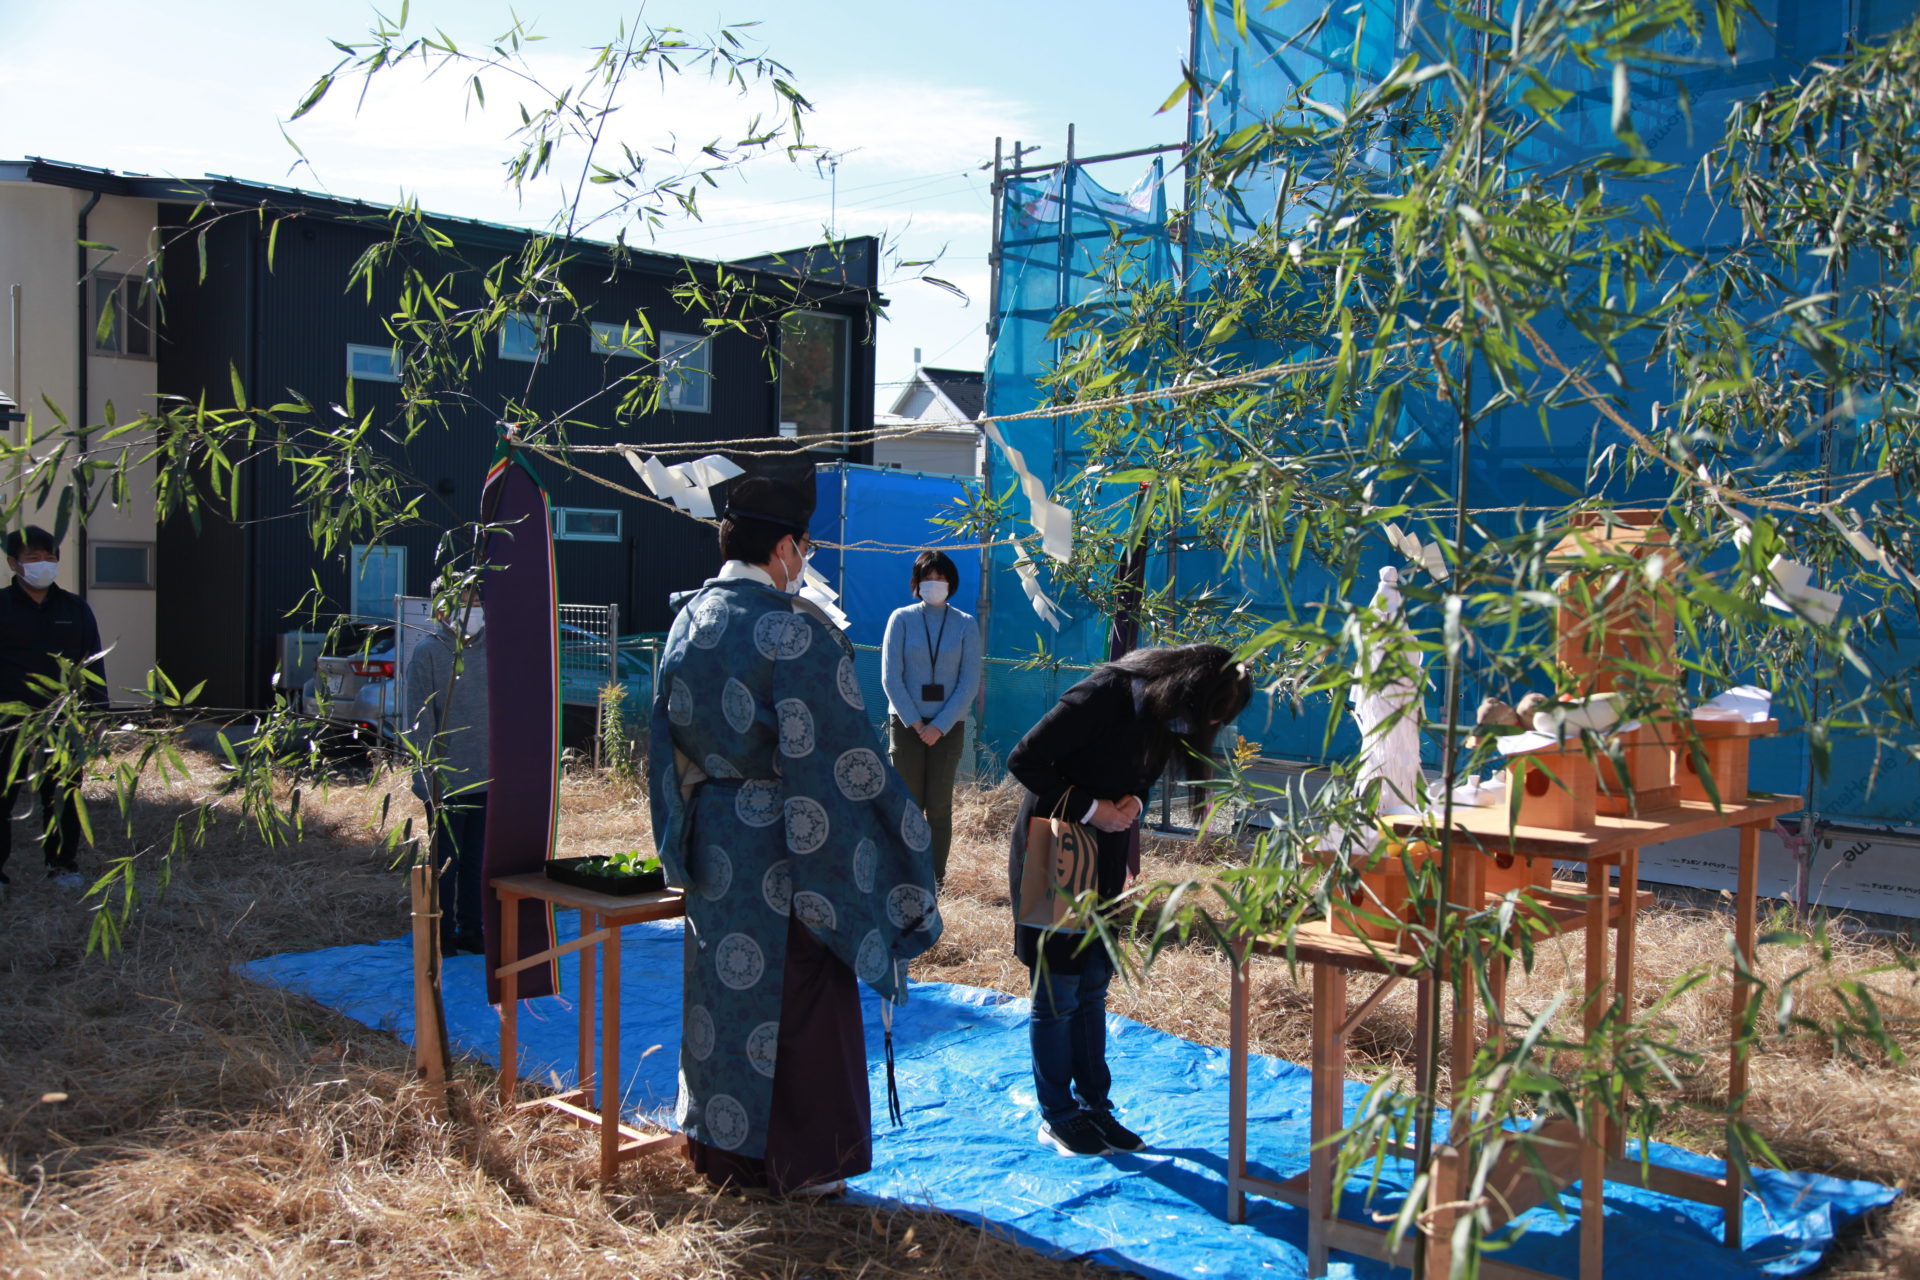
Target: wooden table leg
(1237, 1088)
(1327, 1110)
(1626, 939)
(1746, 908)
(509, 996)
(610, 1056)
(585, 998)
(1593, 1151)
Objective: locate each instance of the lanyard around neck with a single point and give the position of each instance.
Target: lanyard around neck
(934, 647)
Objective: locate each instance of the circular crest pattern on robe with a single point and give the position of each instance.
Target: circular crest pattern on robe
(795, 816)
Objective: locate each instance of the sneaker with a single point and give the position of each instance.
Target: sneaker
(66, 878)
(1118, 1136)
(1074, 1136)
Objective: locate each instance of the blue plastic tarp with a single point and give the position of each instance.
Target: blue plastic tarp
(864, 509)
(968, 1145)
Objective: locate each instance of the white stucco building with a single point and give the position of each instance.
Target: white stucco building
(53, 357)
(935, 395)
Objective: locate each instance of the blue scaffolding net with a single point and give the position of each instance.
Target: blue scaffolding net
(1060, 231)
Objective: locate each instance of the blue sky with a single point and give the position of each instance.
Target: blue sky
(909, 95)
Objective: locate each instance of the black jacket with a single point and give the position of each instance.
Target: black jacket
(33, 634)
(1093, 745)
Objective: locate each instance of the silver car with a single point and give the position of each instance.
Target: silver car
(353, 686)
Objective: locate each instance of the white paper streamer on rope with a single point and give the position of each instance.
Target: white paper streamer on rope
(1869, 551)
(1794, 592)
(687, 485)
(816, 589)
(1427, 555)
(1050, 613)
(1053, 522)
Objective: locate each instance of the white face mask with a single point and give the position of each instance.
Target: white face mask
(40, 573)
(476, 619)
(798, 577)
(934, 591)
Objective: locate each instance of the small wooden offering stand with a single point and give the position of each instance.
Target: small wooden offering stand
(1582, 817)
(602, 916)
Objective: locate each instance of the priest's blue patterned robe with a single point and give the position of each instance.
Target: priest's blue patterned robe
(771, 799)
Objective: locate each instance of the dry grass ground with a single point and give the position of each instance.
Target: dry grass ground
(213, 1127)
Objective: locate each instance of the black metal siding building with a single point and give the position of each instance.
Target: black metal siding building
(227, 588)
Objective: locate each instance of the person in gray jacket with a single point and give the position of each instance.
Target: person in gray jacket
(930, 669)
(446, 724)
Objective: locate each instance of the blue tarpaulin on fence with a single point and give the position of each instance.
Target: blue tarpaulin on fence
(864, 511)
(968, 1145)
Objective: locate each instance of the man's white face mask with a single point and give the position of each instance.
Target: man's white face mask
(798, 578)
(475, 619)
(39, 574)
(934, 591)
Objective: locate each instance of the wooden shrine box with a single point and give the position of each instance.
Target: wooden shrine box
(1381, 907)
(1556, 786)
(1647, 751)
(1507, 872)
(1724, 744)
(1617, 635)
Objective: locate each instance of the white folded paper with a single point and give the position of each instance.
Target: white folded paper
(1868, 551)
(1794, 592)
(1053, 522)
(1513, 744)
(1050, 613)
(1746, 702)
(1427, 555)
(1597, 714)
(687, 485)
(818, 590)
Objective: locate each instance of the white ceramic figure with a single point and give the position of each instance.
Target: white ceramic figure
(1389, 715)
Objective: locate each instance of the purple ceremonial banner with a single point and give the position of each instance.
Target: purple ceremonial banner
(523, 694)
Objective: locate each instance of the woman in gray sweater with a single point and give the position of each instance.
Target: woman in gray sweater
(930, 667)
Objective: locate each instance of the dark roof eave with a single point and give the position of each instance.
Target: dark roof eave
(234, 193)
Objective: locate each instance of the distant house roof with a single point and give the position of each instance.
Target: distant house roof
(966, 388)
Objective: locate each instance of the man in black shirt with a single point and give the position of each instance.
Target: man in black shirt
(40, 623)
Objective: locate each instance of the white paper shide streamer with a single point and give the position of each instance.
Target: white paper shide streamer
(1053, 522)
(1050, 613)
(687, 485)
(823, 597)
(1793, 592)
(1425, 554)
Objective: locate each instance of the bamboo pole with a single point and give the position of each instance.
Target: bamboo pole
(430, 1049)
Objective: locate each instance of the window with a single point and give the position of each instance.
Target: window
(123, 316)
(373, 364)
(375, 575)
(813, 376)
(523, 337)
(120, 564)
(586, 524)
(619, 340)
(686, 364)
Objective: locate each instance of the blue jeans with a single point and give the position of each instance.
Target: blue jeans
(1068, 1032)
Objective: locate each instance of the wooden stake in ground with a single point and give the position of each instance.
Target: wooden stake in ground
(430, 1048)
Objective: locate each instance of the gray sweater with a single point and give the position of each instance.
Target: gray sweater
(446, 712)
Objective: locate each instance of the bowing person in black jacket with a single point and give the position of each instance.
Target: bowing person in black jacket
(1092, 759)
